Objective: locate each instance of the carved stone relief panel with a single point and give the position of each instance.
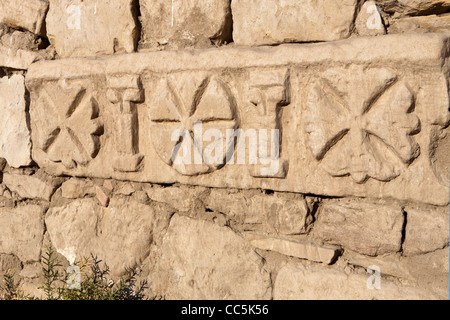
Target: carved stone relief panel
(326, 119)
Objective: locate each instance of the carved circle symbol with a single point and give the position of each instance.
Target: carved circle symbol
(181, 102)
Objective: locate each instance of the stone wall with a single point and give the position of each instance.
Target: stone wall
(229, 149)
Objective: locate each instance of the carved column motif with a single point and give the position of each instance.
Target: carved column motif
(125, 92)
(268, 93)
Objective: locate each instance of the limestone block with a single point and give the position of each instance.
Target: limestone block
(17, 59)
(298, 249)
(19, 49)
(80, 28)
(120, 235)
(124, 188)
(428, 270)
(185, 23)
(77, 188)
(371, 229)
(9, 263)
(363, 117)
(427, 230)
(298, 282)
(282, 213)
(225, 268)
(4, 29)
(31, 270)
(181, 198)
(422, 24)
(14, 132)
(38, 186)
(102, 196)
(277, 21)
(24, 14)
(20, 40)
(414, 7)
(22, 232)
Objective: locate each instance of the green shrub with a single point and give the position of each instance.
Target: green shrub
(95, 283)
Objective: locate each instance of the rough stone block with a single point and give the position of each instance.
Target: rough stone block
(298, 282)
(422, 24)
(9, 263)
(185, 23)
(279, 213)
(78, 28)
(24, 14)
(362, 117)
(17, 59)
(428, 270)
(371, 229)
(22, 232)
(257, 22)
(414, 7)
(181, 198)
(102, 196)
(38, 186)
(426, 230)
(120, 235)
(77, 188)
(14, 132)
(225, 268)
(302, 250)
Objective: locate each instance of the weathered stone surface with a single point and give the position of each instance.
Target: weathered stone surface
(14, 132)
(120, 235)
(426, 271)
(298, 282)
(181, 198)
(185, 23)
(426, 230)
(9, 263)
(225, 268)
(102, 196)
(33, 288)
(24, 14)
(302, 250)
(386, 97)
(17, 59)
(89, 28)
(31, 270)
(279, 213)
(414, 7)
(4, 29)
(277, 21)
(17, 40)
(22, 232)
(440, 154)
(19, 49)
(124, 188)
(77, 188)
(421, 24)
(371, 229)
(38, 186)
(370, 21)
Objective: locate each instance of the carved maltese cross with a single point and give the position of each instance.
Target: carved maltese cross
(360, 124)
(69, 125)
